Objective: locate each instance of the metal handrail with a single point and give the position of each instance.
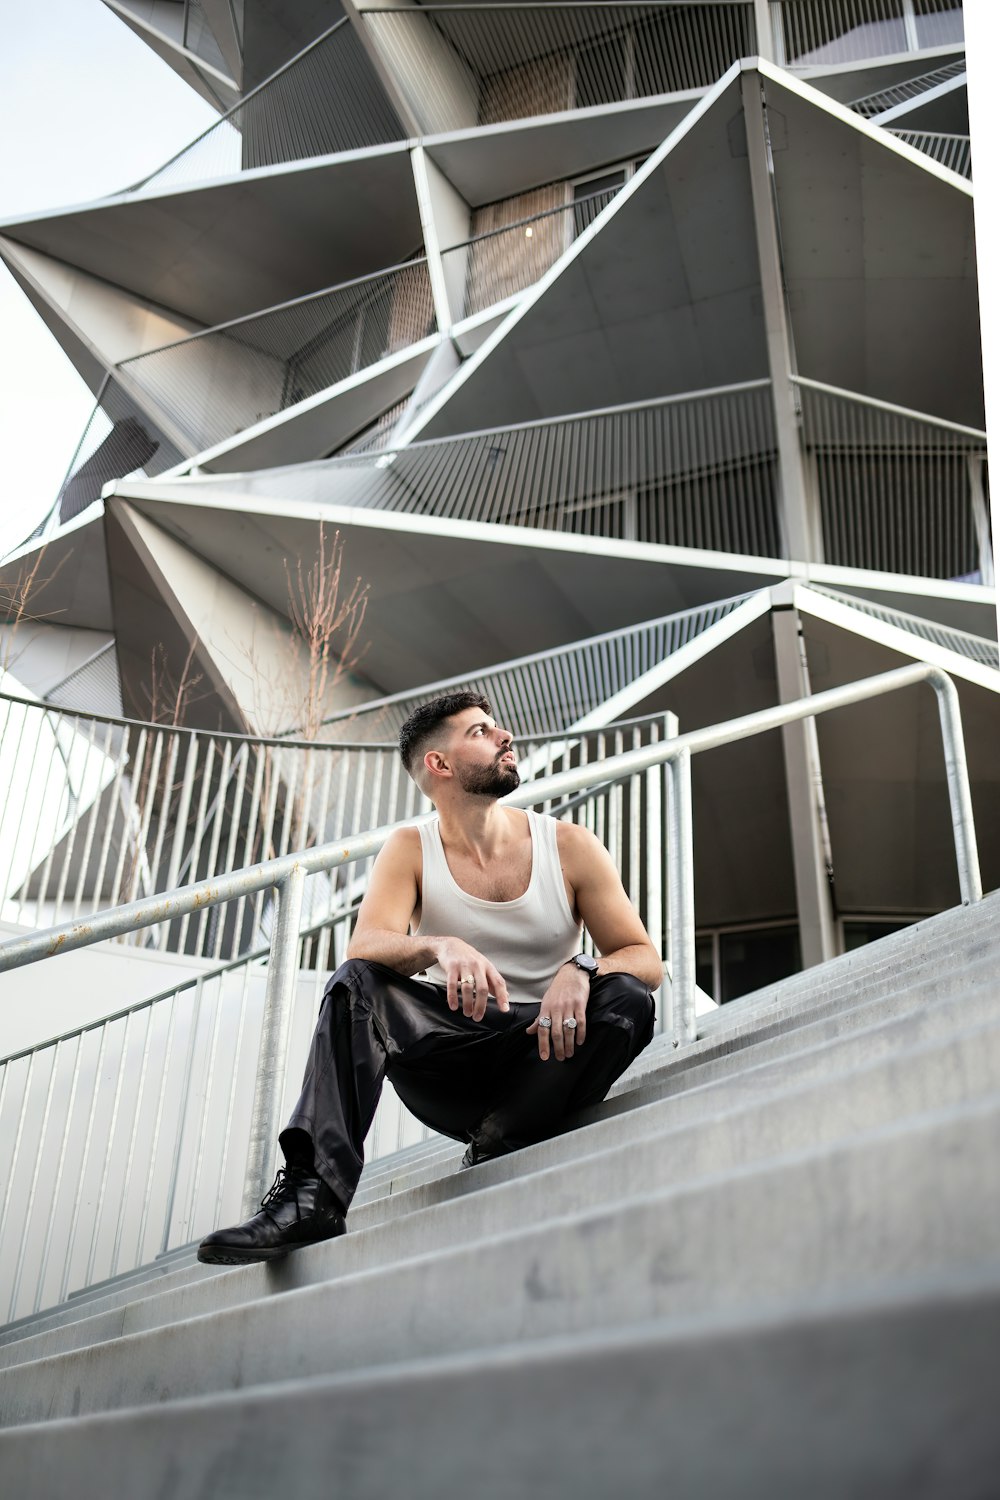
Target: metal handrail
(239, 105)
(287, 874)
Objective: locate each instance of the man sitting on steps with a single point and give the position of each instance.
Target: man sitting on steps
(513, 1030)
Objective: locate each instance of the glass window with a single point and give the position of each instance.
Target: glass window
(704, 975)
(858, 934)
(750, 960)
(591, 196)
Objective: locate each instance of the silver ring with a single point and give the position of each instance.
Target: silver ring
(545, 1022)
(570, 1023)
(468, 979)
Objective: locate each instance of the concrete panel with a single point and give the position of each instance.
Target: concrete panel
(451, 597)
(42, 655)
(945, 108)
(498, 161)
(150, 625)
(429, 74)
(71, 584)
(228, 248)
(112, 323)
(662, 298)
(251, 645)
(879, 261)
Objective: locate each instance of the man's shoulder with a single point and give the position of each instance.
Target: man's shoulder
(402, 847)
(573, 839)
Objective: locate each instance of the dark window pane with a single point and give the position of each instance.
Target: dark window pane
(703, 976)
(857, 934)
(751, 960)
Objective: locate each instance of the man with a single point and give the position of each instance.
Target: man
(513, 1030)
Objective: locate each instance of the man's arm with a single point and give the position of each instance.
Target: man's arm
(381, 933)
(614, 924)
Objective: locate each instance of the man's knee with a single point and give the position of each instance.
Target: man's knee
(351, 968)
(625, 996)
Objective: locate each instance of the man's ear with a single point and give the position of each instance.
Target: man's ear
(436, 765)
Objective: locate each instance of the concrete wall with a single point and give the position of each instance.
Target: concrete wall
(439, 90)
(250, 645)
(211, 387)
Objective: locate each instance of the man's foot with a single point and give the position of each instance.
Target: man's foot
(485, 1146)
(298, 1210)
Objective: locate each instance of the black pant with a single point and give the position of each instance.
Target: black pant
(477, 1081)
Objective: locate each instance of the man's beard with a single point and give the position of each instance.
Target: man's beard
(489, 781)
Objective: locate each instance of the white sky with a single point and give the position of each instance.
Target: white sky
(85, 108)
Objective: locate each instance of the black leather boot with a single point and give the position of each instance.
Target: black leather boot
(299, 1209)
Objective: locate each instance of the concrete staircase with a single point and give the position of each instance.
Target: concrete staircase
(767, 1266)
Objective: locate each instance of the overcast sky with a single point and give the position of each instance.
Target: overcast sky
(85, 108)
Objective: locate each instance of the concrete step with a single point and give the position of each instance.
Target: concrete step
(751, 1406)
(723, 1082)
(769, 1118)
(902, 1201)
(964, 999)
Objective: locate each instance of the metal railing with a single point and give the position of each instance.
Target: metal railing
(221, 380)
(325, 100)
(129, 1154)
(550, 691)
(977, 648)
(899, 492)
(952, 151)
(110, 809)
(810, 33)
(695, 470)
(153, 1163)
(509, 259)
(872, 105)
(480, 64)
(197, 53)
(103, 810)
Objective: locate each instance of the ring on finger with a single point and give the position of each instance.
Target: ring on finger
(545, 1022)
(469, 979)
(570, 1023)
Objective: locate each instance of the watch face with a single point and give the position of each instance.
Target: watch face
(585, 962)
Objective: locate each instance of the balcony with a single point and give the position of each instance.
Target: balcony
(323, 101)
(225, 379)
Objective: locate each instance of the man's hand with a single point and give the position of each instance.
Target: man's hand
(564, 1000)
(471, 977)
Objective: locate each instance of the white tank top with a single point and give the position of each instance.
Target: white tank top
(528, 938)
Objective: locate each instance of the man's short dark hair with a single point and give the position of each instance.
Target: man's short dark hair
(424, 722)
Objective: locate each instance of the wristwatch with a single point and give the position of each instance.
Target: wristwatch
(586, 963)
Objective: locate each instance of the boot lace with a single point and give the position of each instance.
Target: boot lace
(283, 1189)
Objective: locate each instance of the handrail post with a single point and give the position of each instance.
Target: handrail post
(681, 854)
(278, 1001)
(959, 792)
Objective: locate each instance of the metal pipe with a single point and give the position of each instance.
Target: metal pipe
(680, 836)
(959, 792)
(278, 1002)
(259, 877)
